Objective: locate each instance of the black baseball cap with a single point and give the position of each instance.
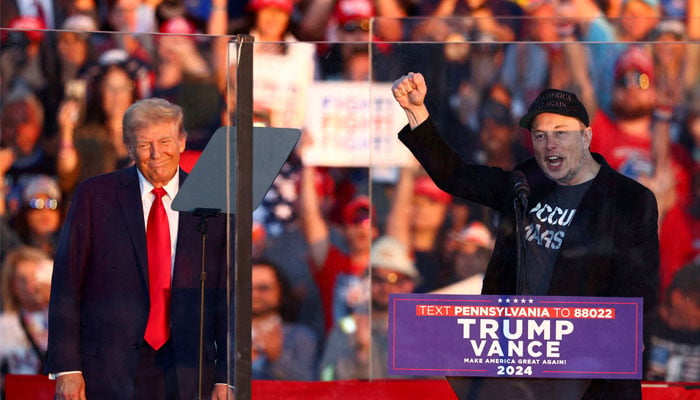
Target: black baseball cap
(557, 102)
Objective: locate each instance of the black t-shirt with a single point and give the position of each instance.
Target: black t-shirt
(547, 222)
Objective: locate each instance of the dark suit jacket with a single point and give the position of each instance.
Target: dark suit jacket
(611, 248)
(99, 296)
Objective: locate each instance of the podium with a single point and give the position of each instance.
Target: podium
(519, 347)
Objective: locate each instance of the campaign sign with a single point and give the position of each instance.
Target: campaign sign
(515, 336)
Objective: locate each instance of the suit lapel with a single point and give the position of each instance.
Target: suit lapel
(129, 196)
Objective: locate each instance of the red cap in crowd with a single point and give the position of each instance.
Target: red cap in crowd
(424, 186)
(31, 25)
(635, 60)
(358, 210)
(284, 5)
(349, 10)
(179, 25)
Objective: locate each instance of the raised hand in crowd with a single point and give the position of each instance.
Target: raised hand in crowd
(68, 115)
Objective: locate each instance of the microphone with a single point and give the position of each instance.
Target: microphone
(521, 188)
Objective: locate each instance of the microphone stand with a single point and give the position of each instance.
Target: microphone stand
(520, 206)
(203, 214)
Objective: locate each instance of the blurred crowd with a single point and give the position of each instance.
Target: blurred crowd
(331, 242)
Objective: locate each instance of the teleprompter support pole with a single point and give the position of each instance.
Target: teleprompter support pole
(244, 217)
(203, 214)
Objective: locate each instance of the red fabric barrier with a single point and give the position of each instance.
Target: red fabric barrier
(671, 391)
(29, 387)
(38, 387)
(384, 389)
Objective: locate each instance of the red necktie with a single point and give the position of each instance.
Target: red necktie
(158, 243)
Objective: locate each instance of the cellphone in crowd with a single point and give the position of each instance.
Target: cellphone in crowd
(76, 90)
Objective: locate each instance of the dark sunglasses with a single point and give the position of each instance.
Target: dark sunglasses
(633, 79)
(352, 26)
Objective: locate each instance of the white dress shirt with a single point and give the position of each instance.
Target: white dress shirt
(147, 198)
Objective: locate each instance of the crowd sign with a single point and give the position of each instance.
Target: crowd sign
(281, 84)
(515, 336)
(354, 124)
